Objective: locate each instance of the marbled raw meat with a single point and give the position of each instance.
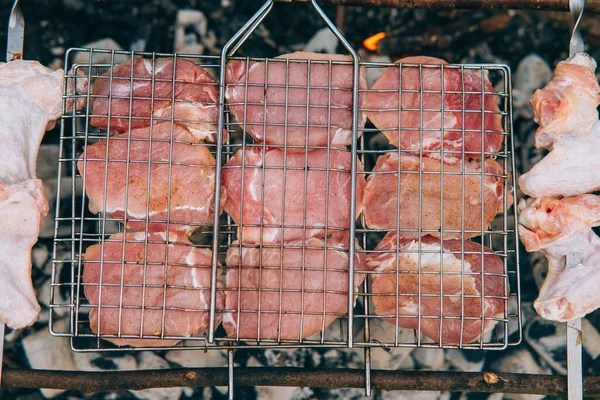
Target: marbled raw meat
(382, 101)
(281, 281)
(381, 205)
(188, 277)
(192, 172)
(402, 275)
(196, 97)
(30, 103)
(325, 124)
(304, 204)
(568, 104)
(557, 227)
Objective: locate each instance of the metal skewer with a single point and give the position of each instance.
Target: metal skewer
(14, 51)
(574, 332)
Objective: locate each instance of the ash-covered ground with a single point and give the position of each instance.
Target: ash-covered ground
(531, 43)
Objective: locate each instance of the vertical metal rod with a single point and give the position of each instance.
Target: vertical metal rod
(574, 345)
(574, 332)
(354, 149)
(14, 51)
(230, 386)
(248, 27)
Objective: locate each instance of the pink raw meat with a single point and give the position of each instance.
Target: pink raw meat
(382, 110)
(405, 280)
(280, 312)
(195, 93)
(321, 113)
(262, 203)
(192, 179)
(381, 202)
(188, 278)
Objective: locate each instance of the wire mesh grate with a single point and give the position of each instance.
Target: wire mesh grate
(285, 253)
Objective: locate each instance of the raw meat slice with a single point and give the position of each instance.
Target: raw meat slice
(381, 107)
(188, 203)
(195, 93)
(556, 228)
(187, 278)
(458, 282)
(30, 103)
(571, 168)
(329, 110)
(567, 105)
(281, 282)
(306, 205)
(380, 201)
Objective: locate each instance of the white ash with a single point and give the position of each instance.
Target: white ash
(432, 359)
(548, 340)
(324, 41)
(393, 359)
(518, 362)
(375, 73)
(100, 58)
(418, 395)
(468, 361)
(149, 360)
(198, 358)
(44, 351)
(190, 43)
(532, 73)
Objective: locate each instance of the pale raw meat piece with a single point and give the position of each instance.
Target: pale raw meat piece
(572, 167)
(403, 276)
(556, 228)
(281, 312)
(338, 116)
(192, 179)
(304, 204)
(567, 105)
(196, 97)
(188, 278)
(30, 103)
(383, 111)
(380, 201)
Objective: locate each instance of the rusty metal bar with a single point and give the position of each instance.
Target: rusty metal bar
(299, 377)
(546, 5)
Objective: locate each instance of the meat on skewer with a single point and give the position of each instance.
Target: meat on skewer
(30, 104)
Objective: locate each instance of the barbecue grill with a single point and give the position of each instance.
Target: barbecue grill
(352, 329)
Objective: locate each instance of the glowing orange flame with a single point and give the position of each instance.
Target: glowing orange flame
(371, 42)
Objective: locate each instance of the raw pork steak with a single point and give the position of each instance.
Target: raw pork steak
(280, 282)
(403, 275)
(188, 202)
(195, 93)
(327, 122)
(381, 202)
(422, 89)
(187, 279)
(306, 187)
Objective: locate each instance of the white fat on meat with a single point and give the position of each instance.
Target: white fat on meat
(567, 105)
(382, 200)
(395, 262)
(139, 262)
(571, 168)
(328, 116)
(195, 92)
(123, 177)
(31, 101)
(403, 125)
(286, 279)
(556, 228)
(314, 198)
